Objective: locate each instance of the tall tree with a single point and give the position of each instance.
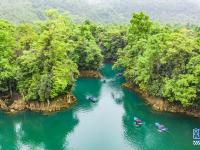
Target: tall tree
(46, 70)
(7, 63)
(88, 53)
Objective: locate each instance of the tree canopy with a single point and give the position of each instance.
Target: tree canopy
(162, 60)
(7, 68)
(41, 61)
(44, 59)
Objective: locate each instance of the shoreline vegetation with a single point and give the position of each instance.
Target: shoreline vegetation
(18, 105)
(61, 103)
(162, 105)
(42, 61)
(163, 61)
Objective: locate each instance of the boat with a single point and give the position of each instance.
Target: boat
(103, 80)
(92, 99)
(119, 74)
(160, 127)
(113, 95)
(137, 121)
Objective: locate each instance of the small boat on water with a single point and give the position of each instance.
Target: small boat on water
(92, 99)
(113, 95)
(160, 127)
(103, 80)
(119, 74)
(137, 121)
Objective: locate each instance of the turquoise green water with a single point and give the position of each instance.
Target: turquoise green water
(105, 125)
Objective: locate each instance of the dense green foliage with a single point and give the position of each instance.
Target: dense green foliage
(46, 69)
(44, 58)
(110, 39)
(7, 68)
(89, 54)
(162, 60)
(103, 11)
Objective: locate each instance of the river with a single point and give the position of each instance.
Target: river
(105, 125)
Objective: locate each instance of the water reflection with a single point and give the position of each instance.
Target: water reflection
(147, 137)
(100, 129)
(35, 131)
(105, 125)
(7, 132)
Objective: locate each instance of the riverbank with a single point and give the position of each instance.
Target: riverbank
(160, 104)
(90, 74)
(18, 105)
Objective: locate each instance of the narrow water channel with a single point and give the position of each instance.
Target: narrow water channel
(104, 125)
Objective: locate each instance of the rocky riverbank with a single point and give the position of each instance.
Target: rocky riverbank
(160, 104)
(61, 103)
(90, 74)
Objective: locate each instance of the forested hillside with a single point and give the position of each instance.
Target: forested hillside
(42, 61)
(103, 11)
(161, 60)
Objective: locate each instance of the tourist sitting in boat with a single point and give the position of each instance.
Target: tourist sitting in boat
(137, 121)
(92, 98)
(160, 127)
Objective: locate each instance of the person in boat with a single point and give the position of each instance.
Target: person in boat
(160, 127)
(91, 98)
(103, 80)
(138, 122)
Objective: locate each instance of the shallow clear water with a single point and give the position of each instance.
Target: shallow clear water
(105, 125)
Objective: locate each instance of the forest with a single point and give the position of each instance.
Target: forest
(42, 60)
(162, 60)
